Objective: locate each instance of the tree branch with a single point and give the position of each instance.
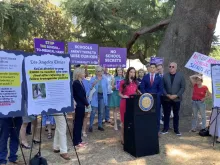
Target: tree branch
(140, 32)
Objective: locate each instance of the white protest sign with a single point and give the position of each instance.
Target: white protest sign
(216, 84)
(11, 84)
(48, 83)
(201, 63)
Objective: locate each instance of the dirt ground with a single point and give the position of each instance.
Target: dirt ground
(104, 148)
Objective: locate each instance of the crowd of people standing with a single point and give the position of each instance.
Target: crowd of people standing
(105, 93)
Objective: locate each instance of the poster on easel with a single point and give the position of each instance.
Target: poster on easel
(215, 75)
(11, 84)
(48, 83)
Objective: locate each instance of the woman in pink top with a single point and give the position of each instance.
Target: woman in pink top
(128, 86)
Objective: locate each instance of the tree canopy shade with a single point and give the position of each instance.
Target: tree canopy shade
(191, 30)
(112, 23)
(22, 21)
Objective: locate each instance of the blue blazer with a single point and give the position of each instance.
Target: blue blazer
(87, 86)
(156, 88)
(79, 94)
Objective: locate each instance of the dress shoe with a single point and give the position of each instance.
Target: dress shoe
(101, 129)
(90, 129)
(36, 141)
(56, 151)
(17, 162)
(65, 156)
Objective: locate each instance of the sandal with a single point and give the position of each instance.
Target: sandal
(25, 146)
(49, 136)
(84, 134)
(84, 143)
(80, 145)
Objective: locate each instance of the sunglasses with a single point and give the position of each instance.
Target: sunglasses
(171, 66)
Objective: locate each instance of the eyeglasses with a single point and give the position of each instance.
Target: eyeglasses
(171, 66)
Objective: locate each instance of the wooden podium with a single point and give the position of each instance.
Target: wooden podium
(140, 129)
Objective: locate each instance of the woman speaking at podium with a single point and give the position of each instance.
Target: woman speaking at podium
(128, 86)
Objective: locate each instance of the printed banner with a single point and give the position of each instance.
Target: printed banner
(48, 46)
(156, 60)
(48, 84)
(215, 70)
(82, 53)
(201, 63)
(11, 100)
(113, 57)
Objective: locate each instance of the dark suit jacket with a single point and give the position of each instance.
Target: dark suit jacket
(79, 94)
(177, 88)
(156, 88)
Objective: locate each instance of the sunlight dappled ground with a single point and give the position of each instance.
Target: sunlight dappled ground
(105, 149)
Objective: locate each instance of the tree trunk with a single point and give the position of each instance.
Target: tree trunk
(191, 30)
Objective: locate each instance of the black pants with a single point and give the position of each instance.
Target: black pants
(168, 105)
(78, 124)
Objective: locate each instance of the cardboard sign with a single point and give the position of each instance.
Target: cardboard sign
(201, 63)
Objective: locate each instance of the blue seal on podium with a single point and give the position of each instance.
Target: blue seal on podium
(146, 102)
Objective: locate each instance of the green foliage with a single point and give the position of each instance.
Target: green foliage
(215, 52)
(17, 20)
(112, 23)
(23, 20)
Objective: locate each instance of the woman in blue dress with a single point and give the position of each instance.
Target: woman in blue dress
(115, 98)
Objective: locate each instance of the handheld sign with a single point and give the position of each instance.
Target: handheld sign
(43, 46)
(113, 57)
(156, 60)
(201, 63)
(82, 53)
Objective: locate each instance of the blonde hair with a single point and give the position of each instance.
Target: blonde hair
(77, 72)
(98, 68)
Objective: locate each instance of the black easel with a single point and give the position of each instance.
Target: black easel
(15, 129)
(71, 137)
(216, 123)
(39, 151)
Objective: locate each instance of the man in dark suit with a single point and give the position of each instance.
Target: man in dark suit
(152, 83)
(173, 88)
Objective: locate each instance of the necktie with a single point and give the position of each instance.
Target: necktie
(152, 79)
